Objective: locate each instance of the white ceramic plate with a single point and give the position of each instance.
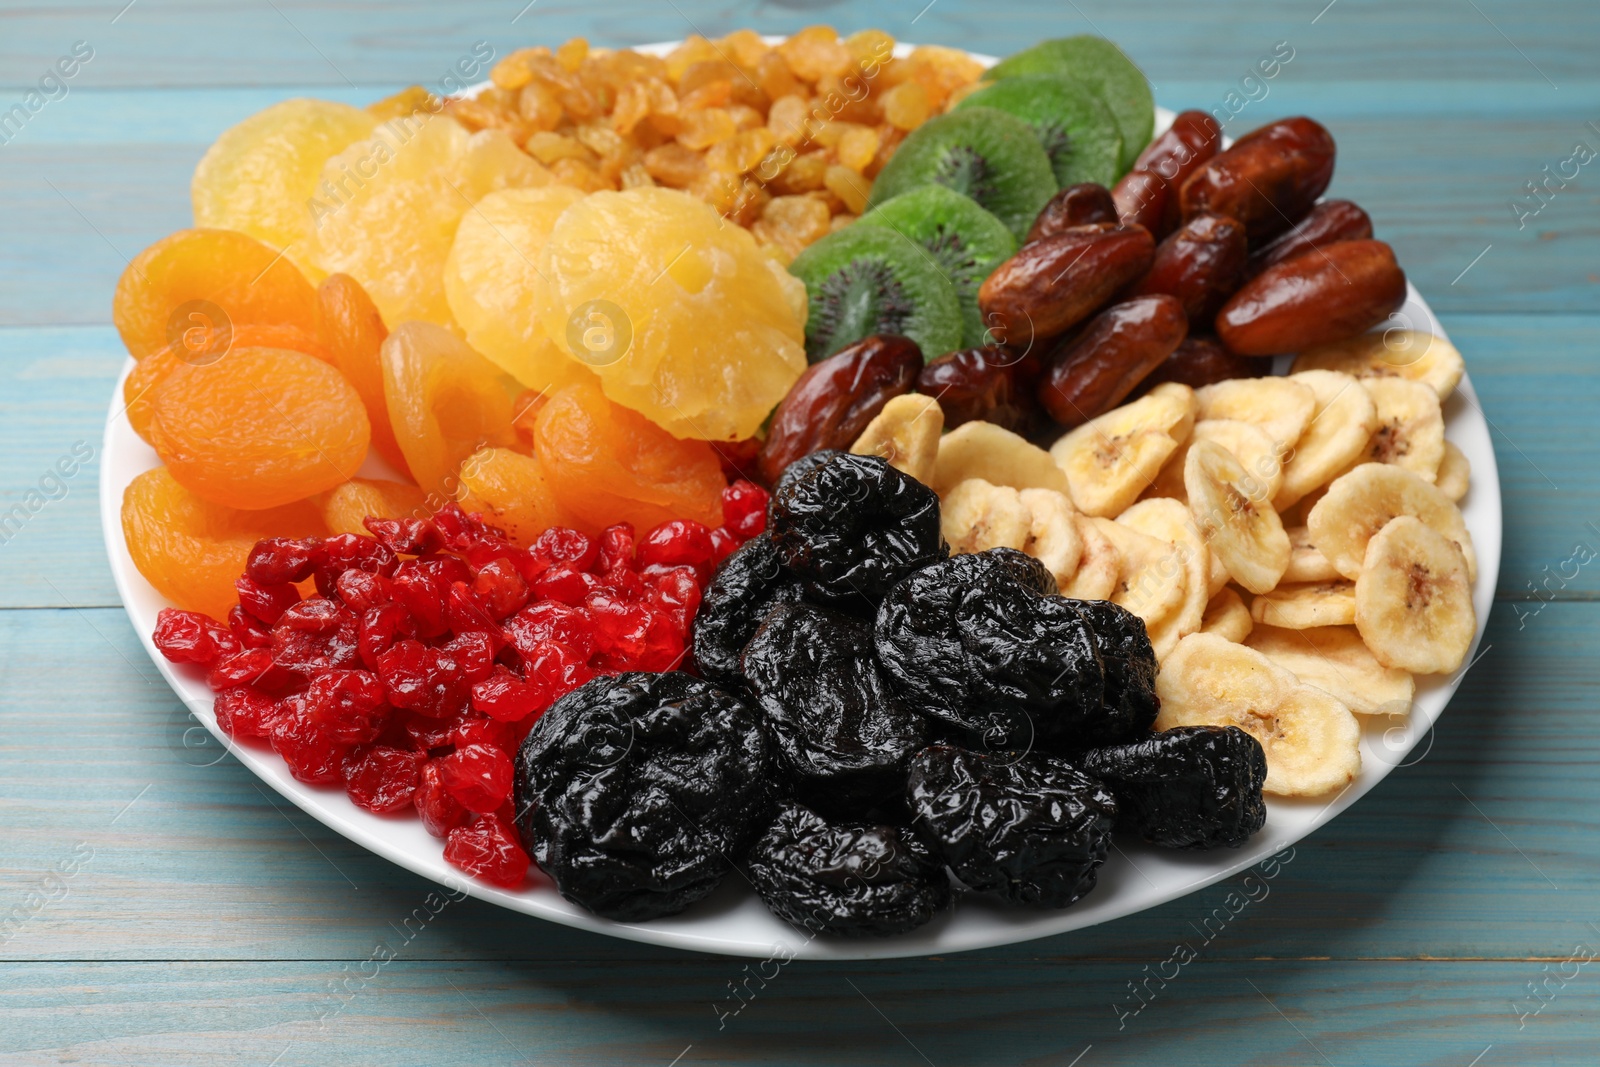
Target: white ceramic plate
(734, 920)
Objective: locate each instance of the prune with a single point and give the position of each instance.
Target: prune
(849, 880)
(853, 526)
(748, 584)
(1130, 699)
(634, 790)
(981, 642)
(1188, 787)
(1027, 828)
(844, 736)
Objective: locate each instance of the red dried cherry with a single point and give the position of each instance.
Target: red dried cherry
(561, 545)
(723, 545)
(193, 637)
(487, 849)
(479, 776)
(425, 680)
(676, 542)
(361, 591)
(381, 779)
(744, 509)
(282, 559)
(250, 631)
(245, 711)
(409, 537)
(440, 812)
(348, 705)
(343, 552)
(549, 621)
(505, 697)
(265, 601)
(616, 547)
(500, 588)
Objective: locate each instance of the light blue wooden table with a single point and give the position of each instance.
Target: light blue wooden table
(158, 907)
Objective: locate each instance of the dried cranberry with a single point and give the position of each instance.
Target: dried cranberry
(723, 545)
(616, 547)
(487, 849)
(250, 631)
(561, 545)
(440, 812)
(675, 542)
(664, 646)
(624, 583)
(476, 730)
(343, 552)
(263, 601)
(381, 779)
(619, 627)
(426, 680)
(558, 668)
(419, 733)
(505, 697)
(312, 754)
(565, 583)
(253, 666)
(550, 621)
(744, 509)
(466, 615)
(245, 711)
(409, 537)
(348, 705)
(282, 559)
(420, 586)
(361, 591)
(380, 628)
(473, 654)
(192, 637)
(307, 652)
(500, 588)
(317, 615)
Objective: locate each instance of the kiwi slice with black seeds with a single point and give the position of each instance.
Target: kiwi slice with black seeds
(1102, 66)
(965, 241)
(863, 280)
(980, 152)
(1075, 128)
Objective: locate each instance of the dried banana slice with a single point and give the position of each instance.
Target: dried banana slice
(1306, 564)
(1170, 521)
(1184, 395)
(1410, 354)
(1414, 599)
(1280, 406)
(998, 456)
(906, 433)
(1249, 444)
(1361, 501)
(1217, 576)
(1336, 659)
(1295, 514)
(1152, 581)
(1343, 422)
(976, 516)
(1243, 531)
(1311, 740)
(1108, 461)
(1053, 537)
(1455, 473)
(1227, 617)
(1410, 431)
(1300, 607)
(1099, 567)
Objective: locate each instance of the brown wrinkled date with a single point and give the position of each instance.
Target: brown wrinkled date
(1319, 296)
(1201, 264)
(1329, 222)
(985, 384)
(1147, 194)
(1268, 180)
(832, 402)
(1056, 282)
(1201, 361)
(1076, 205)
(1102, 365)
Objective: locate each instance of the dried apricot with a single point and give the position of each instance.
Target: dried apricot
(344, 506)
(259, 175)
(608, 464)
(445, 402)
(512, 492)
(350, 326)
(259, 428)
(188, 287)
(192, 550)
(393, 202)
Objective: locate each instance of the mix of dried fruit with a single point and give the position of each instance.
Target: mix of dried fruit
(1044, 533)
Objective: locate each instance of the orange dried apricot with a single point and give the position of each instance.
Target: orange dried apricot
(259, 428)
(192, 550)
(511, 491)
(184, 288)
(445, 402)
(609, 464)
(344, 506)
(350, 326)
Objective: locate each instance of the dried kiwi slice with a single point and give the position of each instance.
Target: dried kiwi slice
(964, 240)
(864, 280)
(1076, 130)
(986, 154)
(1103, 67)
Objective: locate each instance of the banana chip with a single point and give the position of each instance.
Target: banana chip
(976, 516)
(1099, 567)
(1306, 564)
(1053, 537)
(1409, 354)
(1343, 422)
(1335, 658)
(1227, 617)
(1455, 473)
(1300, 607)
(1312, 742)
(1280, 406)
(1249, 444)
(1170, 521)
(1110, 460)
(1410, 431)
(1240, 529)
(906, 433)
(1152, 581)
(1361, 501)
(1414, 599)
(995, 454)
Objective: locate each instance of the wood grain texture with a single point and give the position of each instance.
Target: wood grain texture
(206, 921)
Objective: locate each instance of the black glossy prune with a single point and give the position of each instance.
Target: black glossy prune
(849, 880)
(747, 585)
(1024, 827)
(982, 642)
(1131, 703)
(1188, 787)
(853, 526)
(633, 791)
(844, 737)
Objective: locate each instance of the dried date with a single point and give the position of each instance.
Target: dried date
(1324, 295)
(1055, 283)
(1076, 205)
(1166, 163)
(990, 384)
(1113, 354)
(1328, 223)
(1202, 361)
(1268, 180)
(1201, 263)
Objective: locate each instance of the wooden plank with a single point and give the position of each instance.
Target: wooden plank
(1485, 846)
(1534, 374)
(936, 1012)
